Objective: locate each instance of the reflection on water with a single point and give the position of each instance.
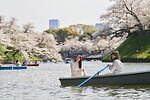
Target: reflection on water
(41, 83)
(109, 93)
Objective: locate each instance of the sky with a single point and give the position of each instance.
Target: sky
(38, 12)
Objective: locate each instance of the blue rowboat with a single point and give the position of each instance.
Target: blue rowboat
(12, 68)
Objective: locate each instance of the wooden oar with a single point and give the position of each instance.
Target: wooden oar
(85, 81)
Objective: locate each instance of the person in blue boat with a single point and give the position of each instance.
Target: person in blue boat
(117, 65)
(24, 63)
(77, 69)
(17, 63)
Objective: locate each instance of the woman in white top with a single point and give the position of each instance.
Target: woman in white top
(117, 65)
(76, 67)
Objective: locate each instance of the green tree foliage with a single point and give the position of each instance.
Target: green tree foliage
(63, 33)
(84, 32)
(1, 52)
(13, 55)
(51, 31)
(10, 54)
(84, 28)
(85, 36)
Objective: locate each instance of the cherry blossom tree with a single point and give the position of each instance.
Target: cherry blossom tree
(128, 13)
(28, 28)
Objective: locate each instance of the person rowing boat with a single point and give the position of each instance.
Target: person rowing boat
(76, 67)
(117, 65)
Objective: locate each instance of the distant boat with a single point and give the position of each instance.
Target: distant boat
(67, 60)
(140, 78)
(31, 65)
(13, 68)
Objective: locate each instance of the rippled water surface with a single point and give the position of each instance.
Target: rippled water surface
(41, 83)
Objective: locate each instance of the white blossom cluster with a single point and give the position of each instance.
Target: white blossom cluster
(91, 45)
(127, 13)
(28, 42)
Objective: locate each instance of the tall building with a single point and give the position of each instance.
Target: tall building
(102, 26)
(99, 26)
(54, 24)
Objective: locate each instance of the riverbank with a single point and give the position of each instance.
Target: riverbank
(131, 60)
(135, 49)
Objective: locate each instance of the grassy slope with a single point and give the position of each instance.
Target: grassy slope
(11, 55)
(135, 47)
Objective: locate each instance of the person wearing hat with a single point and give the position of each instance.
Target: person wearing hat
(117, 65)
(76, 67)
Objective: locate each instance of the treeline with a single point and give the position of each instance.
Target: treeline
(84, 32)
(22, 43)
(78, 39)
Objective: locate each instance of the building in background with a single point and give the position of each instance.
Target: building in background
(102, 26)
(102, 30)
(99, 26)
(54, 24)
